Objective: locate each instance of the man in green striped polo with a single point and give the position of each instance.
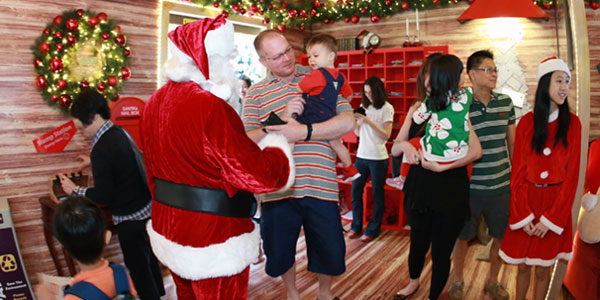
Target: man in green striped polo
(493, 118)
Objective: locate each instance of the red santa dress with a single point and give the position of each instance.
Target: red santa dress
(192, 137)
(542, 190)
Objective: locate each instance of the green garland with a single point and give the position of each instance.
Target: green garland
(80, 49)
(283, 14)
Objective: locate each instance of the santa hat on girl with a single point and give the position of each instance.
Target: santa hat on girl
(552, 64)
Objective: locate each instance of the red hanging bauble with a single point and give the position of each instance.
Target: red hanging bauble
(547, 5)
(242, 11)
(313, 13)
(316, 4)
(80, 12)
(61, 84)
(266, 21)
(120, 40)
(56, 64)
(326, 21)
(388, 2)
(302, 27)
(292, 13)
(71, 40)
(363, 10)
(72, 24)
(260, 12)
(254, 8)
(346, 19)
(59, 47)
(105, 36)
(595, 5)
(455, 1)
(323, 4)
(57, 20)
(37, 63)
(284, 5)
(112, 81)
(44, 47)
(225, 14)
(331, 21)
(125, 73)
(303, 14)
(340, 1)
(281, 27)
(58, 35)
(348, 2)
(54, 98)
(93, 22)
(216, 4)
(84, 84)
(355, 19)
(375, 18)
(115, 97)
(101, 87)
(118, 28)
(404, 5)
(102, 16)
(436, 1)
(270, 7)
(127, 52)
(47, 31)
(64, 101)
(41, 83)
(235, 8)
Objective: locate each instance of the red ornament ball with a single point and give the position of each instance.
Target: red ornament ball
(547, 5)
(303, 14)
(72, 24)
(58, 35)
(64, 101)
(363, 11)
(54, 98)
(455, 1)
(105, 36)
(340, 1)
(112, 81)
(302, 27)
(47, 31)
(37, 63)
(326, 21)
(101, 87)
(375, 18)
(216, 4)
(80, 12)
(61, 84)
(595, 5)
(120, 40)
(355, 19)
(127, 52)
(347, 20)
(93, 22)
(44, 47)
(235, 7)
(313, 13)
(125, 73)
(281, 27)
(242, 11)
(266, 21)
(56, 64)
(115, 97)
(84, 84)
(292, 13)
(118, 28)
(436, 1)
(41, 82)
(284, 5)
(348, 2)
(225, 14)
(57, 20)
(59, 47)
(388, 2)
(102, 16)
(253, 8)
(71, 40)
(405, 5)
(316, 3)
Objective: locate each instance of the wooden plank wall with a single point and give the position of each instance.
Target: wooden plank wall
(439, 27)
(25, 116)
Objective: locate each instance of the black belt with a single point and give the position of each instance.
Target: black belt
(545, 184)
(205, 200)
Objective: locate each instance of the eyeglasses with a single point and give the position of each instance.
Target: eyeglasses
(280, 55)
(488, 70)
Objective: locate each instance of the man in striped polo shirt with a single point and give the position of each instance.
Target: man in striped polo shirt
(312, 202)
(493, 119)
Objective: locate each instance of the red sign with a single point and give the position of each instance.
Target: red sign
(57, 139)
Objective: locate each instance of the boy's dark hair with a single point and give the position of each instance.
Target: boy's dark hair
(79, 226)
(444, 78)
(422, 74)
(326, 40)
(378, 93)
(474, 61)
(541, 112)
(88, 103)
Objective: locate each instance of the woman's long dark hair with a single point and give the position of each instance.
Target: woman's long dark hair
(378, 93)
(444, 78)
(541, 111)
(422, 74)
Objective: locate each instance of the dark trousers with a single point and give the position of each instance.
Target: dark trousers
(396, 163)
(440, 231)
(377, 169)
(139, 259)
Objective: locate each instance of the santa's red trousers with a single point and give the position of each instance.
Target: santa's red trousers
(226, 288)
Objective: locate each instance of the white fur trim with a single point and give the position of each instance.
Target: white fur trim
(558, 230)
(280, 141)
(522, 223)
(552, 65)
(589, 201)
(180, 67)
(225, 259)
(220, 40)
(534, 261)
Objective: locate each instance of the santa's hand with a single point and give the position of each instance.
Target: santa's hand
(293, 130)
(294, 107)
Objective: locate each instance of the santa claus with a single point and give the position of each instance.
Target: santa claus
(202, 168)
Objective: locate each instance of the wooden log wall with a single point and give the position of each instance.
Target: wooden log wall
(24, 115)
(593, 21)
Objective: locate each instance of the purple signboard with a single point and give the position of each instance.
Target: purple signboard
(14, 284)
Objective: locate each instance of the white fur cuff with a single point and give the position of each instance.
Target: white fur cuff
(522, 223)
(280, 141)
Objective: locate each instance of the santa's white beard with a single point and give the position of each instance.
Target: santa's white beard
(222, 74)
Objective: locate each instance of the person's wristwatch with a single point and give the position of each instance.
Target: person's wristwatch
(308, 131)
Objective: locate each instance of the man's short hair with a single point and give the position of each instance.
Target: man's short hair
(79, 226)
(325, 40)
(475, 60)
(261, 36)
(87, 104)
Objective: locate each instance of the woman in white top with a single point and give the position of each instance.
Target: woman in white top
(374, 129)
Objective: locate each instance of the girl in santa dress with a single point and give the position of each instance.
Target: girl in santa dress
(545, 171)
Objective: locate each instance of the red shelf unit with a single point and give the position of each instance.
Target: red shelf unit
(397, 68)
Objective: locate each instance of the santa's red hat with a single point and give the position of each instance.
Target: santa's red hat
(189, 38)
(550, 65)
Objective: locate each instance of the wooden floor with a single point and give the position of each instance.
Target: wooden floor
(377, 271)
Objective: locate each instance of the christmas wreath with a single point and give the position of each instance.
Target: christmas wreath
(80, 49)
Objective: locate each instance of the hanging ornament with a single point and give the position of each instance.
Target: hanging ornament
(303, 14)
(292, 13)
(105, 36)
(313, 13)
(61, 84)
(266, 21)
(44, 47)
(118, 28)
(41, 82)
(72, 24)
(120, 40)
(455, 1)
(93, 21)
(260, 12)
(225, 14)
(340, 1)
(112, 81)
(301, 27)
(57, 20)
(115, 97)
(355, 19)
(84, 84)
(58, 35)
(281, 27)
(47, 31)
(346, 19)
(388, 2)
(125, 73)
(64, 101)
(216, 4)
(363, 10)
(405, 5)
(284, 5)
(59, 47)
(71, 40)
(375, 18)
(242, 11)
(127, 52)
(56, 64)
(101, 87)
(270, 7)
(53, 98)
(235, 8)
(595, 5)
(326, 21)
(348, 2)
(436, 1)
(80, 12)
(37, 63)
(102, 17)
(316, 4)
(547, 5)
